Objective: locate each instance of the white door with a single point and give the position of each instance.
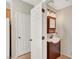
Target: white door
(36, 32)
(22, 34)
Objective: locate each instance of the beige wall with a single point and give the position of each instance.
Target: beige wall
(64, 28)
(20, 6)
(7, 5)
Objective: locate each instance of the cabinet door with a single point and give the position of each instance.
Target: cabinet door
(53, 50)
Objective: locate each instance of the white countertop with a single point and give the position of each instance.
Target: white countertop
(54, 40)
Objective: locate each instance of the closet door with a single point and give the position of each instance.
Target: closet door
(22, 34)
(36, 32)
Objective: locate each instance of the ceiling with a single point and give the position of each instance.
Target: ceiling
(60, 4)
(32, 2)
(57, 4)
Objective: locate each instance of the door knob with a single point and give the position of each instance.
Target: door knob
(19, 37)
(30, 40)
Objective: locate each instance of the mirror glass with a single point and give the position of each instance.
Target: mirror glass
(52, 23)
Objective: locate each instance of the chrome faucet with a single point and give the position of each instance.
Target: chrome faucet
(51, 36)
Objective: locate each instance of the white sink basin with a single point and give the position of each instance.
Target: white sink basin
(54, 40)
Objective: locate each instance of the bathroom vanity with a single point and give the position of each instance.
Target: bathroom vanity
(53, 46)
(53, 50)
(53, 41)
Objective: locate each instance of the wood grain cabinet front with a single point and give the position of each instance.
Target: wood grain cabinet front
(53, 50)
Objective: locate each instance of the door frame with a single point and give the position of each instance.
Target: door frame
(8, 15)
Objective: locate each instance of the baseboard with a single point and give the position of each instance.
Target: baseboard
(13, 58)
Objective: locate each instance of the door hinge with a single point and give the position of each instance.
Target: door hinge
(43, 37)
(43, 10)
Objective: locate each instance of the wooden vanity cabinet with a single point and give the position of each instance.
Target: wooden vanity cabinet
(53, 50)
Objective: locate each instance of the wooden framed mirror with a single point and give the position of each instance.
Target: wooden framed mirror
(51, 24)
